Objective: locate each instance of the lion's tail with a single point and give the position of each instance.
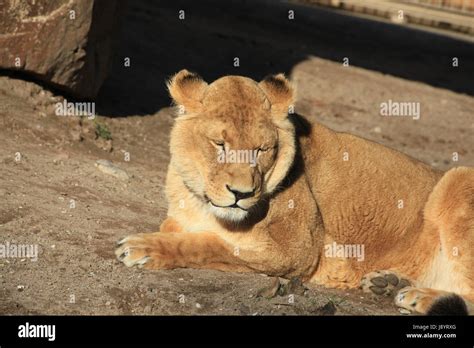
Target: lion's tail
(450, 305)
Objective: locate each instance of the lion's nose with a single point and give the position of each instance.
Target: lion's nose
(239, 194)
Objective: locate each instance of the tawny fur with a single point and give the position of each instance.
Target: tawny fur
(309, 190)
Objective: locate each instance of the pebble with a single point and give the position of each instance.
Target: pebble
(61, 157)
(109, 168)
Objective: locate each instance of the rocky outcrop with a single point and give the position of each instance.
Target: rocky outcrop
(66, 43)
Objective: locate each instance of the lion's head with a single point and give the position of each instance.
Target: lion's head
(232, 142)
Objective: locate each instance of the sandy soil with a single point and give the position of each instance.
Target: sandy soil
(53, 195)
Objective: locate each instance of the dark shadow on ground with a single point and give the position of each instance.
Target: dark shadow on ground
(260, 34)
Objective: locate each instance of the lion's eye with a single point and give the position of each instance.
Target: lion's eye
(218, 143)
(265, 149)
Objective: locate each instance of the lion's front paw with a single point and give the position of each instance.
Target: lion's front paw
(143, 250)
(385, 283)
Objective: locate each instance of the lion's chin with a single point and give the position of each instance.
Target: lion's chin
(228, 214)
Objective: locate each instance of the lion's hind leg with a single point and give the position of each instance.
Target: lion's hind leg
(448, 280)
(449, 216)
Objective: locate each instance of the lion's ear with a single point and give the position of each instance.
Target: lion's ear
(279, 92)
(187, 89)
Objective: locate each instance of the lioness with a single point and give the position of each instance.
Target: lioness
(308, 192)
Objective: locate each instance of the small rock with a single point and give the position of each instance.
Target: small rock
(271, 291)
(105, 144)
(244, 309)
(294, 286)
(20, 288)
(109, 168)
(76, 135)
(60, 158)
(328, 309)
(198, 306)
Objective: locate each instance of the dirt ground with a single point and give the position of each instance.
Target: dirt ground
(53, 195)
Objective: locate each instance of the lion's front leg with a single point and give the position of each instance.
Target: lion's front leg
(176, 249)
(171, 225)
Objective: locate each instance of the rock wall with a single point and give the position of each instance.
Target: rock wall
(66, 43)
